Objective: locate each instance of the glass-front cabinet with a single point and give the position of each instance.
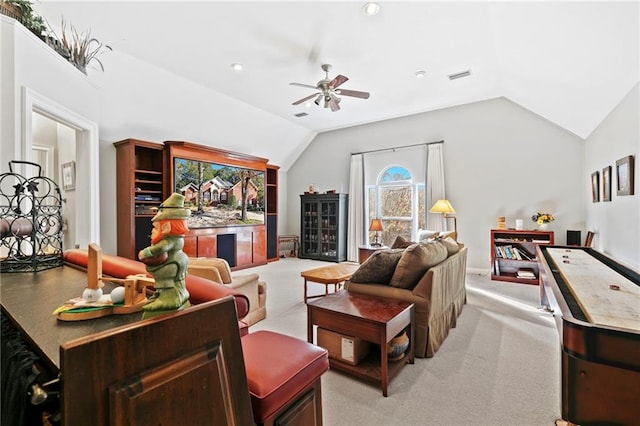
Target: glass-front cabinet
(323, 224)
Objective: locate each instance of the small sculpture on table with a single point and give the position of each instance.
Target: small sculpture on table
(127, 298)
(164, 258)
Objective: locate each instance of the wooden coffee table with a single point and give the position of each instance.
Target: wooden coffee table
(327, 275)
(370, 318)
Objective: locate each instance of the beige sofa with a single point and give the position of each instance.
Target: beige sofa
(438, 295)
(218, 270)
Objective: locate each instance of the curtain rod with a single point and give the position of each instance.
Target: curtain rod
(396, 147)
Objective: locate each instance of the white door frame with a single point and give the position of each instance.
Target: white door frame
(87, 166)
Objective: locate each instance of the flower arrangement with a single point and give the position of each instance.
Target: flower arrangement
(542, 218)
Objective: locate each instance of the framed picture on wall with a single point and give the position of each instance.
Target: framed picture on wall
(69, 176)
(606, 184)
(595, 187)
(624, 176)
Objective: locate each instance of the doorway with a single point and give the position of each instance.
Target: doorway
(54, 144)
(76, 140)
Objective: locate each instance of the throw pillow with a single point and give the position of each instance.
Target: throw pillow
(451, 245)
(401, 243)
(378, 268)
(425, 235)
(415, 261)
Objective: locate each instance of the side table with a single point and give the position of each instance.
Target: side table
(367, 250)
(373, 319)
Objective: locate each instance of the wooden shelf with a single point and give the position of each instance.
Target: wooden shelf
(271, 192)
(139, 166)
(515, 250)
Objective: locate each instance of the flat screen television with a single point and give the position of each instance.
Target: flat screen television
(219, 194)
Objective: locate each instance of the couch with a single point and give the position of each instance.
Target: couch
(430, 275)
(218, 270)
(200, 289)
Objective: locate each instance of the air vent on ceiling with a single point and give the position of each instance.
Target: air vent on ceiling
(301, 114)
(462, 74)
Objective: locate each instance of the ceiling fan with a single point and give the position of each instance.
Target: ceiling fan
(328, 91)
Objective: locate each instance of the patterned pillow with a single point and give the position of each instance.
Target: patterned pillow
(415, 261)
(400, 242)
(378, 268)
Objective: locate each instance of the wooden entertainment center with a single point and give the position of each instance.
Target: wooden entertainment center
(146, 177)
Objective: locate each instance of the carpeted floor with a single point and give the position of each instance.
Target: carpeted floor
(499, 366)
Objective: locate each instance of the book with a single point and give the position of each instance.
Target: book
(522, 253)
(526, 274)
(496, 267)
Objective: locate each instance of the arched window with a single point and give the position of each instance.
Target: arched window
(399, 200)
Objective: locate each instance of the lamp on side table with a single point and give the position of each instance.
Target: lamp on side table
(375, 226)
(444, 207)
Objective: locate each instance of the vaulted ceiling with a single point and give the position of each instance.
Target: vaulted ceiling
(570, 62)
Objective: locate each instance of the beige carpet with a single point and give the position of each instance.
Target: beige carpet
(499, 366)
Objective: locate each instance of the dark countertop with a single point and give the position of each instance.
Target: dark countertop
(29, 299)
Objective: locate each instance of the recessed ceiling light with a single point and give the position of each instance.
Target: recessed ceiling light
(420, 74)
(236, 66)
(371, 8)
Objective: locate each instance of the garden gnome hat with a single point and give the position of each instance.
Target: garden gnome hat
(172, 208)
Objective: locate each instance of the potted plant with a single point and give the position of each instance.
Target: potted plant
(22, 10)
(79, 48)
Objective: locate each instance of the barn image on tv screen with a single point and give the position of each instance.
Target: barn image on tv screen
(220, 195)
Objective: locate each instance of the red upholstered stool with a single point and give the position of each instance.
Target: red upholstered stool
(283, 374)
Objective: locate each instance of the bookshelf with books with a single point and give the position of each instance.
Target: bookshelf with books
(513, 254)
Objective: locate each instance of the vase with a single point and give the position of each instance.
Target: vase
(543, 226)
(397, 347)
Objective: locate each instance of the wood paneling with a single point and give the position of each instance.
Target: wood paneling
(185, 376)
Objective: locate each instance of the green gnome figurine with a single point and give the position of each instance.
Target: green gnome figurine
(164, 258)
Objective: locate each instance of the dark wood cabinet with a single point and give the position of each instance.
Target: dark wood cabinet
(513, 255)
(139, 188)
(323, 223)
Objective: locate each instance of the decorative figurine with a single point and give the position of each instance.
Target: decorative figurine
(164, 258)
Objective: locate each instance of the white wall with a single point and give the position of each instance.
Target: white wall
(617, 223)
(143, 102)
(33, 75)
(500, 160)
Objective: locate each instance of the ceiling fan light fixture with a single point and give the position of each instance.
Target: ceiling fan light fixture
(420, 74)
(371, 8)
(318, 99)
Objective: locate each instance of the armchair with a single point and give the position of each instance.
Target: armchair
(218, 270)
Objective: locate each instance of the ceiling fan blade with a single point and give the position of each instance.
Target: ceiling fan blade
(303, 85)
(333, 103)
(338, 81)
(304, 99)
(354, 93)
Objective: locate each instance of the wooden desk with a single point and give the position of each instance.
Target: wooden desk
(120, 369)
(370, 318)
(599, 330)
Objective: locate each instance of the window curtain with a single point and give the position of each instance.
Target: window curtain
(435, 184)
(356, 220)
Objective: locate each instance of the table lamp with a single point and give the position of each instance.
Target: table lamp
(444, 207)
(375, 226)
